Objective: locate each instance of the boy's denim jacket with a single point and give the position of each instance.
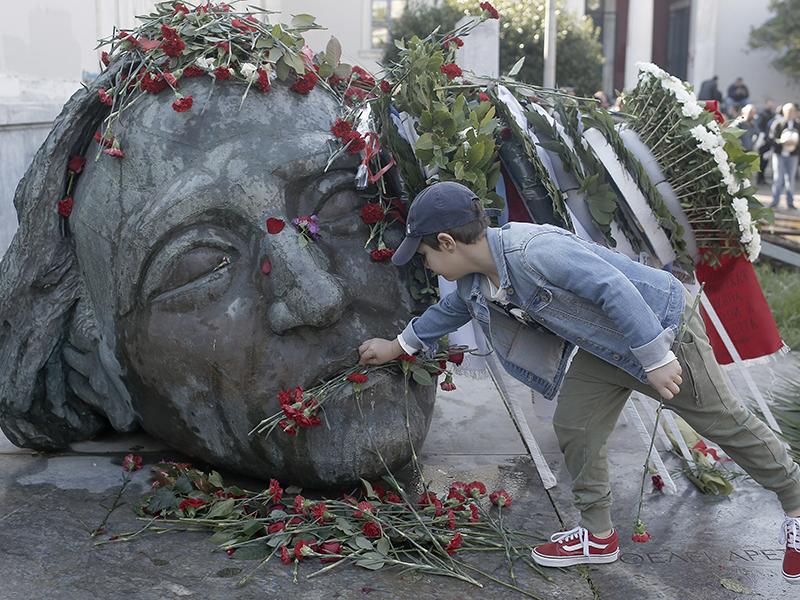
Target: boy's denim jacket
(575, 292)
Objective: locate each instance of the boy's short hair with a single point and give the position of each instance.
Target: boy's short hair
(466, 234)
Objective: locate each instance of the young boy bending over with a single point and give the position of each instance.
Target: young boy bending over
(539, 291)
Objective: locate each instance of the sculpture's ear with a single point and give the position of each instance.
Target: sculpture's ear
(42, 294)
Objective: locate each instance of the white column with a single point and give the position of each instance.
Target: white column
(702, 62)
(609, 45)
(550, 36)
(639, 45)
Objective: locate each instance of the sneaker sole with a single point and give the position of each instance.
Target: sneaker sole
(793, 579)
(568, 561)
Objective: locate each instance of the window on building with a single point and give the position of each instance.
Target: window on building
(383, 13)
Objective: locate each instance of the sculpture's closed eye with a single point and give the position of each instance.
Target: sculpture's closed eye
(196, 268)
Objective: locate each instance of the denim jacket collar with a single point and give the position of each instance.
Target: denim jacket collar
(494, 236)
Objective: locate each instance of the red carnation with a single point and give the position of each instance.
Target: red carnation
(358, 378)
(296, 521)
(114, 151)
(454, 544)
(180, 7)
(298, 504)
(171, 79)
(354, 95)
(363, 75)
(193, 71)
(76, 164)
(371, 530)
(172, 44)
(505, 133)
(275, 225)
(393, 498)
(298, 549)
(153, 83)
(105, 58)
(385, 87)
(275, 490)
(182, 104)
(658, 482)
(382, 254)
(473, 509)
(226, 46)
(371, 213)
(239, 24)
(407, 358)
(476, 489)
(493, 14)
(191, 503)
(483, 96)
(104, 97)
(125, 36)
(449, 41)
(285, 558)
(451, 519)
(641, 538)
(303, 85)
(276, 527)
(222, 73)
(288, 427)
(363, 507)
(318, 511)
(263, 81)
(341, 127)
(102, 140)
(456, 357)
(330, 548)
(447, 386)
(131, 462)
(452, 70)
(712, 106)
(500, 498)
(354, 142)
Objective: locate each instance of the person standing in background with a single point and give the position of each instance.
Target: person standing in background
(738, 95)
(762, 146)
(784, 136)
(709, 90)
(747, 121)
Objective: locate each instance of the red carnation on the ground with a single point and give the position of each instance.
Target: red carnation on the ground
(226, 46)
(363, 507)
(493, 14)
(410, 358)
(330, 547)
(276, 527)
(371, 213)
(299, 552)
(393, 498)
(275, 490)
(285, 558)
(371, 530)
(180, 7)
(152, 83)
(132, 462)
(182, 104)
(318, 511)
(191, 503)
(171, 43)
(473, 509)
(451, 519)
(193, 71)
(476, 489)
(171, 79)
(76, 164)
(263, 81)
(239, 24)
(447, 386)
(454, 544)
(363, 75)
(382, 254)
(222, 73)
(303, 85)
(341, 127)
(500, 498)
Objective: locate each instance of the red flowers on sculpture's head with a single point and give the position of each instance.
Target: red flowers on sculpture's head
(341, 127)
(65, 206)
(171, 44)
(221, 73)
(263, 80)
(275, 225)
(303, 85)
(382, 255)
(371, 530)
(355, 143)
(104, 97)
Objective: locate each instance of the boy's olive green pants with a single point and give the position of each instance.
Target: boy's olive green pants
(594, 393)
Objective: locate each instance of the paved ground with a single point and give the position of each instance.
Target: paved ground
(47, 504)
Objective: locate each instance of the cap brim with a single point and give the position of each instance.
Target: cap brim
(406, 250)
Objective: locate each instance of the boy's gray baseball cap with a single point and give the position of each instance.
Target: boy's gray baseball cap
(437, 208)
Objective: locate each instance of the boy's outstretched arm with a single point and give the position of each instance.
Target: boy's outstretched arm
(422, 333)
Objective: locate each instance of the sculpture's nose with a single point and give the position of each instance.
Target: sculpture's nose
(305, 292)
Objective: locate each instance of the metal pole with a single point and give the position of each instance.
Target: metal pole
(550, 33)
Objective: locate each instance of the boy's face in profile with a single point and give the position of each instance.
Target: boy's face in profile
(448, 261)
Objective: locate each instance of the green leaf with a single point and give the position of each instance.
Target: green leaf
(275, 54)
(372, 561)
(302, 20)
(425, 142)
(295, 62)
(344, 526)
(221, 509)
(183, 485)
(734, 586)
(343, 70)
(421, 376)
(517, 66)
(264, 42)
(362, 542)
(279, 540)
(254, 551)
(368, 488)
(163, 499)
(215, 479)
(383, 546)
(333, 50)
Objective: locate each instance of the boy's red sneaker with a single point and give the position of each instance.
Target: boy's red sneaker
(790, 535)
(577, 547)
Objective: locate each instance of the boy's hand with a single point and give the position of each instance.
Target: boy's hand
(667, 379)
(378, 351)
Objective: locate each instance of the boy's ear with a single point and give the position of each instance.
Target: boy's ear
(446, 242)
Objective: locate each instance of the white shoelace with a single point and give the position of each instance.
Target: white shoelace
(577, 533)
(790, 533)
